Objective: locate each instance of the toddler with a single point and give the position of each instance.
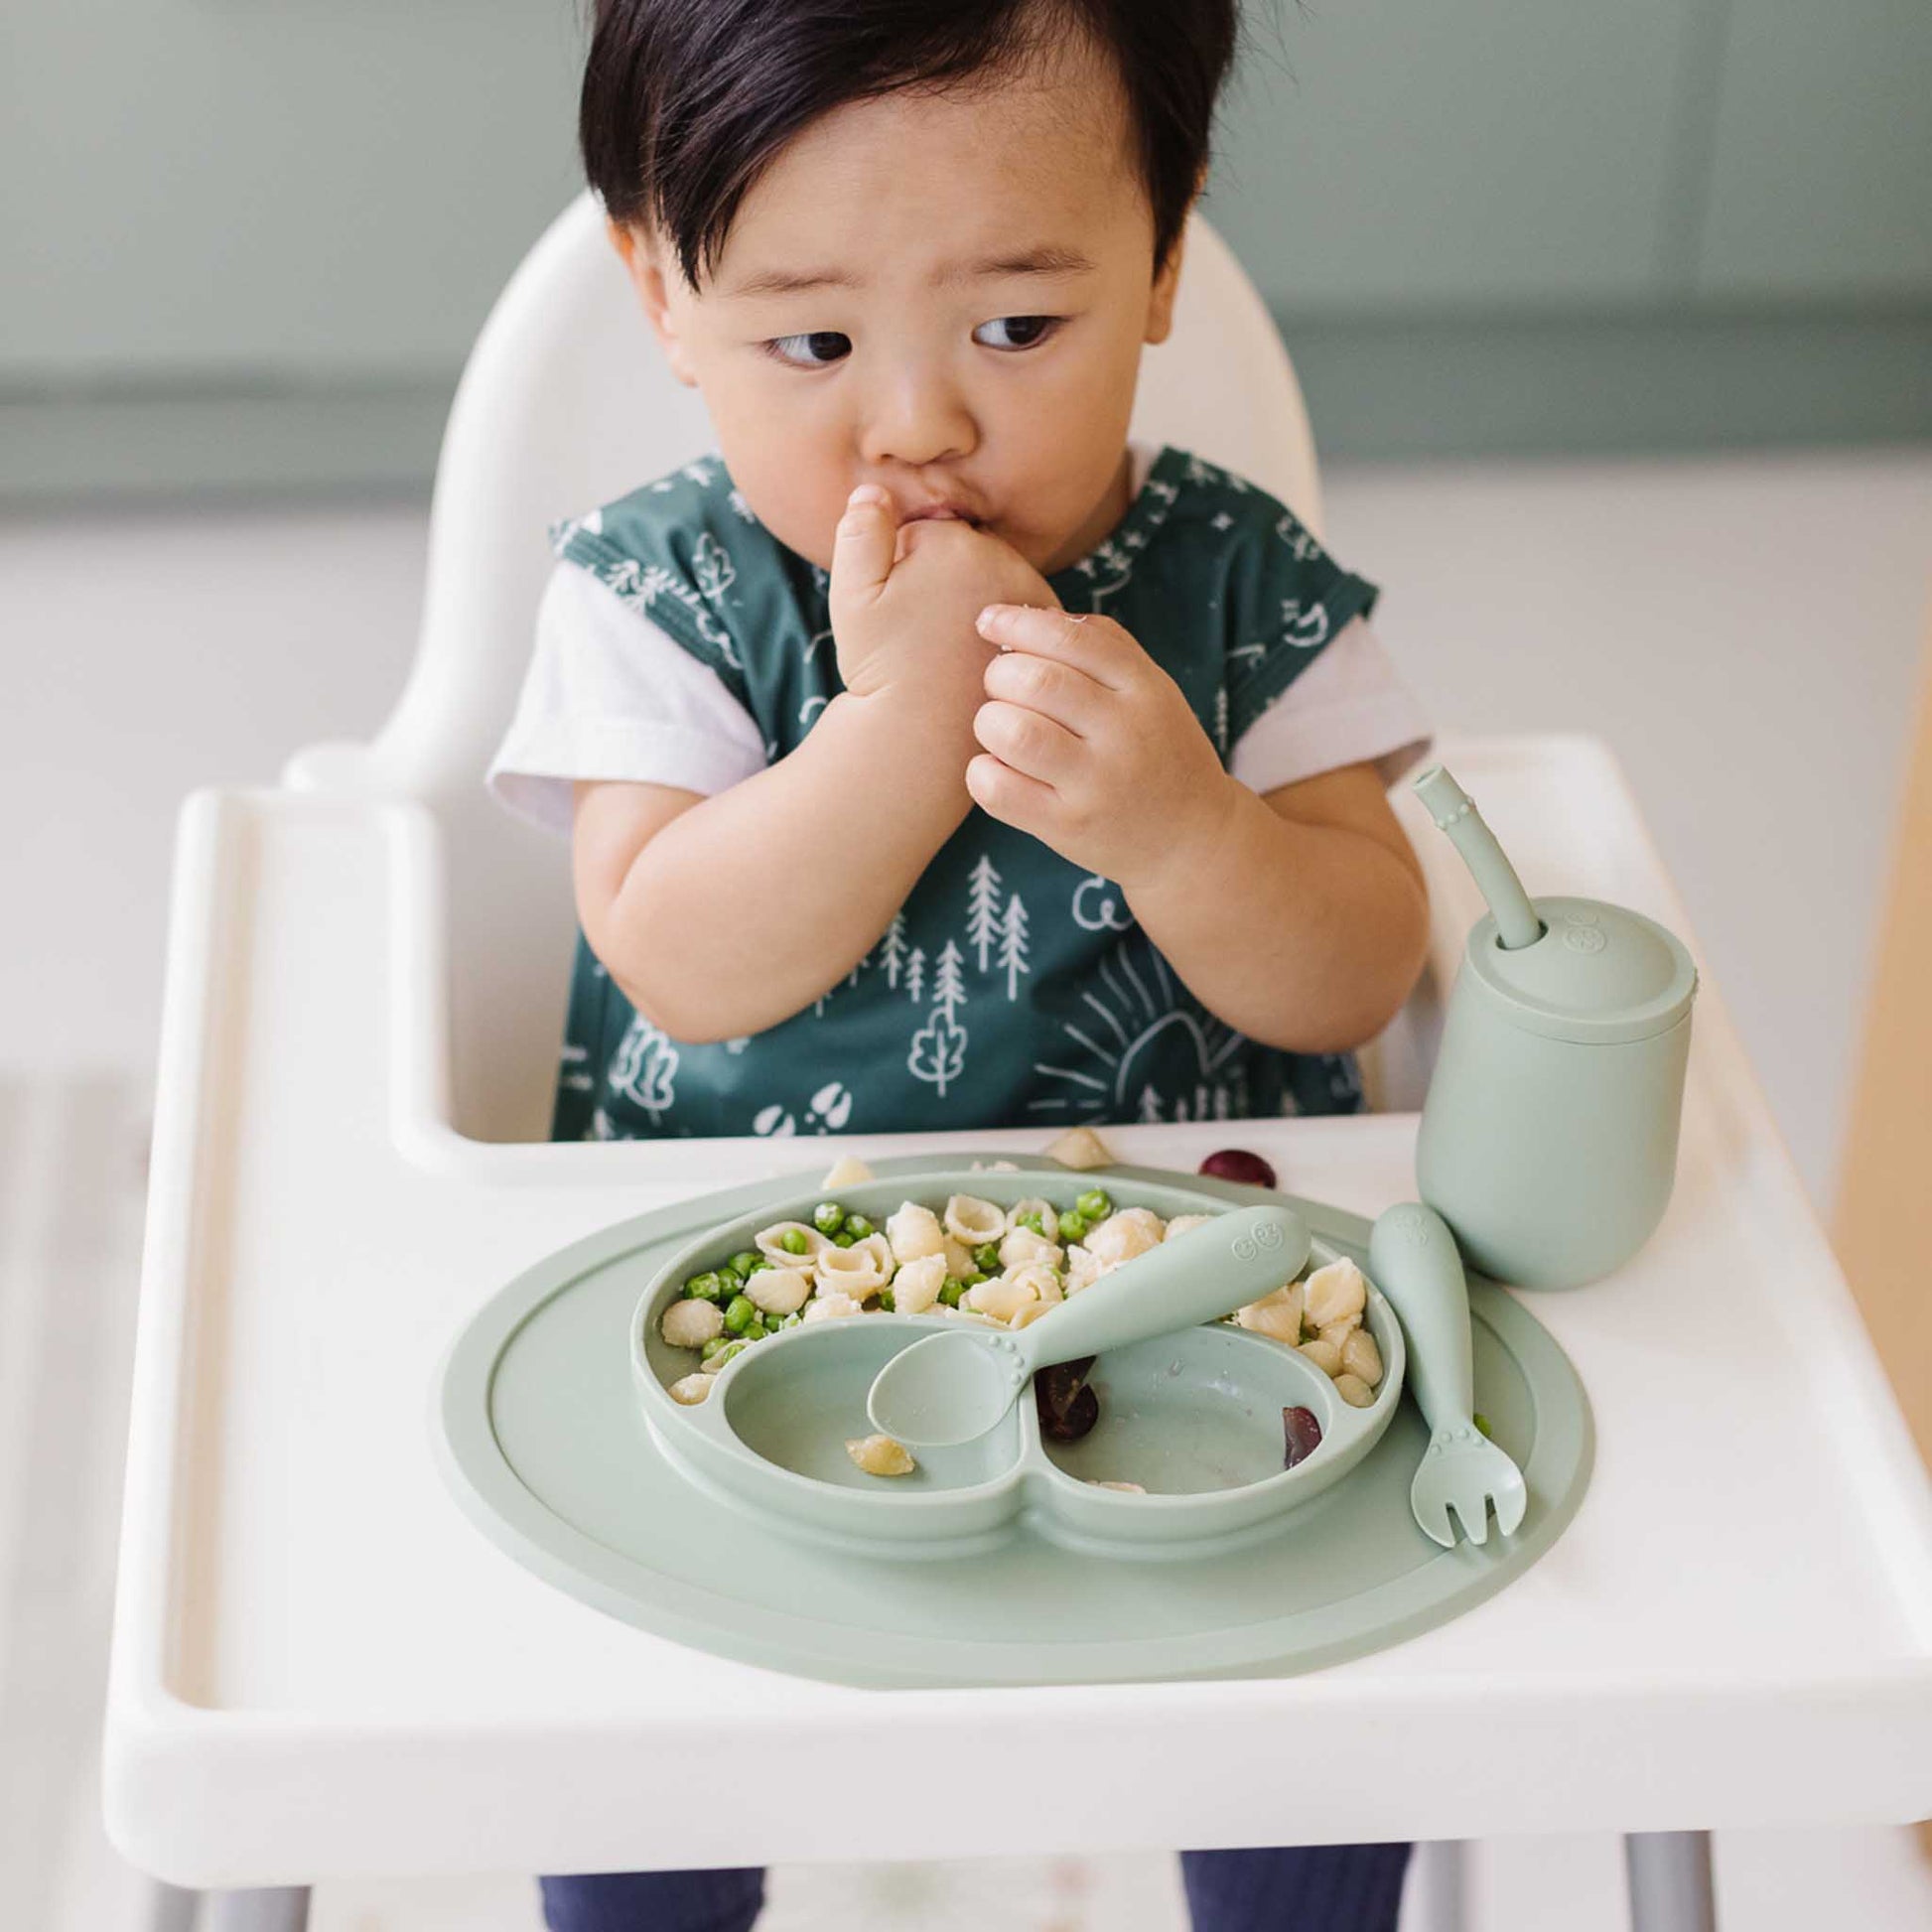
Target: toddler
(934, 756)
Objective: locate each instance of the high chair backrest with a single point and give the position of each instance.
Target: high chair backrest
(566, 403)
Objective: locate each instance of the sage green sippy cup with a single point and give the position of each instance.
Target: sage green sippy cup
(1549, 1136)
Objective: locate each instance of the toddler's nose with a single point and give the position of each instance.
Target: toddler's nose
(915, 423)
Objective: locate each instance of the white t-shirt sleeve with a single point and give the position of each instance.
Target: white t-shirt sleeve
(608, 695)
(1349, 707)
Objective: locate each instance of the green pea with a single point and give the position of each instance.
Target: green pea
(715, 1347)
(795, 1241)
(859, 1227)
(987, 1258)
(845, 1238)
(1482, 1423)
(708, 1286)
(888, 1300)
(828, 1218)
(1095, 1205)
(740, 1314)
(747, 1264)
(756, 1331)
(790, 1321)
(721, 1351)
(763, 1262)
(952, 1293)
(1073, 1227)
(976, 1277)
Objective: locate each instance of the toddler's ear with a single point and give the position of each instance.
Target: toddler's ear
(642, 261)
(1167, 285)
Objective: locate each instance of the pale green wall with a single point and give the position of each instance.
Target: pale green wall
(1489, 224)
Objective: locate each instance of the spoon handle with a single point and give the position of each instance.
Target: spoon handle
(1201, 1275)
(1413, 1259)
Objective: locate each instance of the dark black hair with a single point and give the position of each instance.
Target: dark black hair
(686, 102)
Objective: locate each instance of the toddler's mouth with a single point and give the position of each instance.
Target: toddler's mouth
(936, 512)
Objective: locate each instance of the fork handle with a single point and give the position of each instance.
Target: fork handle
(1413, 1259)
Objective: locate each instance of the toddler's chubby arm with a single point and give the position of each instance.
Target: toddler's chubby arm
(724, 916)
(1300, 918)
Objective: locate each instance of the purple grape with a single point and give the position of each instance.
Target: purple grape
(1237, 1164)
(1304, 1435)
(1067, 1407)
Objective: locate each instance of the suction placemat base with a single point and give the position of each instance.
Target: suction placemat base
(599, 1510)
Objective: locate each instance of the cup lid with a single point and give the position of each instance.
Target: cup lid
(1600, 973)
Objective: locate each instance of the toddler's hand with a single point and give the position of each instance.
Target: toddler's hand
(903, 602)
(1091, 746)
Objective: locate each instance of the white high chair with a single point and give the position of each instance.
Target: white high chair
(566, 402)
(320, 1670)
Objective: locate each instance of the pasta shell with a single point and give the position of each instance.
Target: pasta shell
(914, 1232)
(975, 1222)
(916, 1286)
(1273, 1319)
(1334, 1292)
(1042, 1280)
(779, 1291)
(1325, 1355)
(829, 1307)
(1049, 1215)
(848, 1170)
(1002, 1298)
(860, 1271)
(1182, 1222)
(690, 1324)
(1361, 1357)
(1123, 1235)
(1081, 1148)
(1022, 1246)
(1084, 1268)
(770, 1244)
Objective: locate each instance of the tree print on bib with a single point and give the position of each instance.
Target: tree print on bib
(938, 1054)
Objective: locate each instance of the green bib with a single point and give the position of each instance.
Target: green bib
(1011, 989)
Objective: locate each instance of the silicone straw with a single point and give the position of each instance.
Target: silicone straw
(1455, 812)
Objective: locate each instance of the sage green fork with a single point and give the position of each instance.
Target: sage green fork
(1413, 1259)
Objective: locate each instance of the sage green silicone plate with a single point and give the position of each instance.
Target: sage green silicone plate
(542, 1436)
(1192, 1416)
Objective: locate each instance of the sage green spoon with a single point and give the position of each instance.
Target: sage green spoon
(1413, 1259)
(952, 1387)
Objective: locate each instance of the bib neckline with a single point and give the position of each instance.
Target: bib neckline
(1077, 583)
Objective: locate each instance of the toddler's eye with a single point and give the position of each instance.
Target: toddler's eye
(805, 352)
(1029, 330)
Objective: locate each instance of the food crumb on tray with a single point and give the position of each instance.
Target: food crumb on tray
(881, 1455)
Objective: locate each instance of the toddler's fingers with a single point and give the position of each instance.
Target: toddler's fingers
(1089, 642)
(862, 546)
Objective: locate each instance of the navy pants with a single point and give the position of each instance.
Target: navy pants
(1315, 1888)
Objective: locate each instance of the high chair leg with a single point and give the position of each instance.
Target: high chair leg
(273, 1908)
(1669, 1882)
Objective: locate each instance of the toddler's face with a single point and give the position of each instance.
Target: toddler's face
(930, 360)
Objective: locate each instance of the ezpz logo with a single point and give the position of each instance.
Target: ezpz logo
(1264, 1240)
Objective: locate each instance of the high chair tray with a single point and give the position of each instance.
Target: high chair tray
(579, 1491)
(320, 1668)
